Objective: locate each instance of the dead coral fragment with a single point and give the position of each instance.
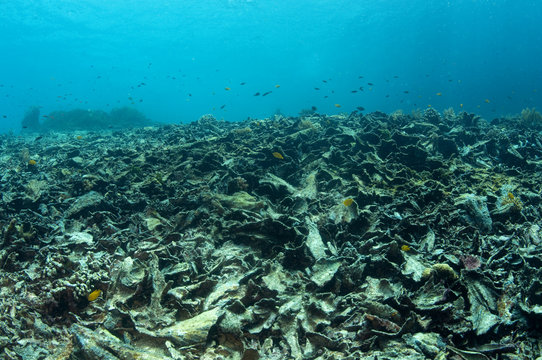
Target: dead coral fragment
(11, 231)
(511, 199)
(470, 262)
(531, 118)
(382, 324)
(441, 271)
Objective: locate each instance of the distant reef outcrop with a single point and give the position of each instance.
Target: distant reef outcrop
(83, 119)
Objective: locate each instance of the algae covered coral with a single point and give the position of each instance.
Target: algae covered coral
(196, 242)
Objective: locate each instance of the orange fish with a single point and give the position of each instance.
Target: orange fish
(278, 155)
(227, 88)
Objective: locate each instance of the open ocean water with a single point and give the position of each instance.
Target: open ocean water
(177, 60)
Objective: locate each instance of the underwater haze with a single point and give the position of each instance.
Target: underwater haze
(177, 60)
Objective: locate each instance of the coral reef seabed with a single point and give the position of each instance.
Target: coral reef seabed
(352, 236)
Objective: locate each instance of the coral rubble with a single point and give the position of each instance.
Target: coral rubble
(370, 236)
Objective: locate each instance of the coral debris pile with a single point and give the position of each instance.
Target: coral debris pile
(321, 237)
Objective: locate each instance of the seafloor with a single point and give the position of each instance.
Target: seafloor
(321, 237)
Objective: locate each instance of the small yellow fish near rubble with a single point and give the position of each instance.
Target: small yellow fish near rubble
(94, 295)
(278, 155)
(348, 202)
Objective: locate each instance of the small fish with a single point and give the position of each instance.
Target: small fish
(360, 77)
(266, 93)
(324, 81)
(227, 88)
(277, 86)
(38, 138)
(257, 94)
(337, 105)
(94, 295)
(406, 91)
(223, 106)
(4, 116)
(325, 97)
(461, 105)
(348, 202)
(316, 88)
(395, 76)
(189, 94)
(370, 84)
(354, 91)
(243, 83)
(361, 88)
(360, 108)
(487, 101)
(278, 155)
(405, 248)
(387, 95)
(439, 94)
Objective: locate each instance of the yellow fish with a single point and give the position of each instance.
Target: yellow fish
(277, 86)
(94, 295)
(278, 155)
(227, 88)
(487, 101)
(439, 94)
(337, 105)
(348, 202)
(405, 247)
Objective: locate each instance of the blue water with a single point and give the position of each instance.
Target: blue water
(173, 60)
